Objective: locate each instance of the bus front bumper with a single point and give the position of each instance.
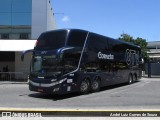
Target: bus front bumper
(55, 88)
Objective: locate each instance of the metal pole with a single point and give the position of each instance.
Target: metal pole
(149, 70)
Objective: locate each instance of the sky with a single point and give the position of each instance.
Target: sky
(138, 18)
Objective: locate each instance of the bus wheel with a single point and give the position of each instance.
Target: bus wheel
(135, 78)
(130, 79)
(95, 86)
(84, 87)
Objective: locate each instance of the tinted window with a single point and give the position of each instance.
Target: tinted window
(21, 6)
(76, 38)
(151, 47)
(4, 36)
(97, 42)
(7, 56)
(51, 40)
(15, 17)
(5, 6)
(117, 46)
(23, 36)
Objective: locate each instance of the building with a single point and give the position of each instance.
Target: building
(154, 51)
(21, 22)
(154, 59)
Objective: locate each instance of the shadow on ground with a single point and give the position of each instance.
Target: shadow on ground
(70, 95)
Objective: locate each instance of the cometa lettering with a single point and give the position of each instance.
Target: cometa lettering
(105, 56)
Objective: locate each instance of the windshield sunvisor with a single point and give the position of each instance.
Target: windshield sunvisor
(61, 50)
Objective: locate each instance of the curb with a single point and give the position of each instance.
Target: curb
(12, 82)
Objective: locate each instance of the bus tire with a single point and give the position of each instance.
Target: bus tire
(85, 86)
(95, 86)
(130, 79)
(135, 77)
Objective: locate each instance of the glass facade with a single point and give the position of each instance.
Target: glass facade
(15, 19)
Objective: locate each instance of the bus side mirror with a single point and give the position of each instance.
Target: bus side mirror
(25, 52)
(22, 57)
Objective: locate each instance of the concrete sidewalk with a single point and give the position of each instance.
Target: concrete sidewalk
(13, 82)
(152, 78)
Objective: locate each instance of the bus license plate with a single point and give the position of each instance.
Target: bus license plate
(40, 90)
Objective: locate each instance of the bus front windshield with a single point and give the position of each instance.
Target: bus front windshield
(46, 66)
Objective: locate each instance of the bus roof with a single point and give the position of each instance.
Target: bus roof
(81, 30)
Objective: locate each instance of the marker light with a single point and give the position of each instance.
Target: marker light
(36, 43)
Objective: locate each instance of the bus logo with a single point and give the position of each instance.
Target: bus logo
(44, 52)
(131, 57)
(105, 56)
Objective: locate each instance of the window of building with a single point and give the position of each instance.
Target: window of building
(23, 36)
(5, 36)
(7, 56)
(15, 15)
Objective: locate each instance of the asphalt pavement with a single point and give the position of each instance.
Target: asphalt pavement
(142, 95)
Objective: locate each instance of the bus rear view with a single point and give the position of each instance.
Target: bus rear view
(73, 60)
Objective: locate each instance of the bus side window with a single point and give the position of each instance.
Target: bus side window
(97, 43)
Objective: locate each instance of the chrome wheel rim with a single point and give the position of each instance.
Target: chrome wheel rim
(84, 86)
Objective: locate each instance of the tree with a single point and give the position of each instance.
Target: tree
(143, 44)
(138, 41)
(126, 38)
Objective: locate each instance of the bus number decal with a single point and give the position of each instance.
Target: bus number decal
(131, 57)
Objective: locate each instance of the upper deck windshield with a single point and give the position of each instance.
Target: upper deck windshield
(51, 40)
(61, 38)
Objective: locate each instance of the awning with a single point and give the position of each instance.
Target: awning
(16, 45)
(154, 56)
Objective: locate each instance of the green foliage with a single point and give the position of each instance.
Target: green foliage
(126, 38)
(138, 41)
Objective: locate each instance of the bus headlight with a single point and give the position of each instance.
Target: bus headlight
(55, 83)
(53, 80)
(56, 89)
(62, 80)
(59, 82)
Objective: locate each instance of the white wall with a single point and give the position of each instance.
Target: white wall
(42, 17)
(50, 18)
(22, 66)
(16, 45)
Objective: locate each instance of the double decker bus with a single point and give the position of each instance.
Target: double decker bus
(74, 60)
